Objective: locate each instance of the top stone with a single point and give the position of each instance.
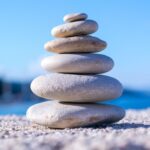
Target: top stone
(75, 17)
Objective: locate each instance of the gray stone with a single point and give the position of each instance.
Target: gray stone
(75, 28)
(75, 17)
(65, 115)
(78, 63)
(76, 88)
(77, 44)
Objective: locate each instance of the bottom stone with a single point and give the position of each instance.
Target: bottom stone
(55, 114)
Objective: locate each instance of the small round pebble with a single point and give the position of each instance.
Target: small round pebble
(67, 115)
(76, 44)
(75, 28)
(76, 88)
(78, 63)
(75, 17)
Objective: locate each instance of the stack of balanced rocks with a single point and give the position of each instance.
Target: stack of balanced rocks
(75, 86)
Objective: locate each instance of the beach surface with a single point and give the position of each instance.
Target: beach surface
(133, 132)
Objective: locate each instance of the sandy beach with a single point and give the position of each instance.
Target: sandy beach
(133, 132)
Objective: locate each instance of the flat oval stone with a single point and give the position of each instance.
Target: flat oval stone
(76, 88)
(69, 115)
(75, 17)
(78, 63)
(75, 28)
(77, 44)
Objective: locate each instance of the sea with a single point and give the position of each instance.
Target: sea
(129, 100)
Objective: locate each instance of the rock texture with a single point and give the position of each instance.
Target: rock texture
(76, 88)
(75, 28)
(131, 133)
(65, 115)
(75, 17)
(76, 44)
(78, 63)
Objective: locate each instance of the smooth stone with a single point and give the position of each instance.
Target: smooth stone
(77, 44)
(75, 17)
(78, 63)
(65, 115)
(76, 88)
(75, 28)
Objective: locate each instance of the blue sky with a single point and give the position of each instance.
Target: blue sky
(125, 25)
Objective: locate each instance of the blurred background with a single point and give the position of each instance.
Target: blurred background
(25, 27)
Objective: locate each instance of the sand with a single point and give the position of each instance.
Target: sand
(133, 132)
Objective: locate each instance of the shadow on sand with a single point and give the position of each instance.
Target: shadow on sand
(122, 126)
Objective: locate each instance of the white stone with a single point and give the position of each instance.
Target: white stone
(76, 88)
(75, 17)
(78, 63)
(75, 28)
(69, 115)
(77, 44)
